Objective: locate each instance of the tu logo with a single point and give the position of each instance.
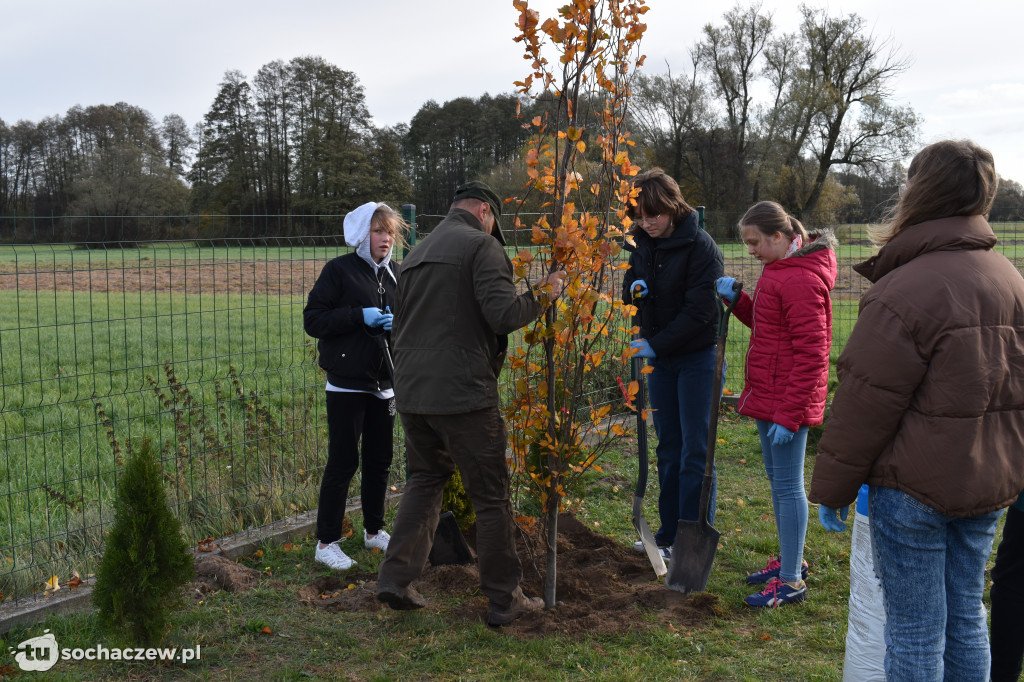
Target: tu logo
(39, 653)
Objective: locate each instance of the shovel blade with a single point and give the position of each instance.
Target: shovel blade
(647, 539)
(449, 546)
(693, 553)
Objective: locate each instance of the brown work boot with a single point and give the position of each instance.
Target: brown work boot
(400, 598)
(521, 604)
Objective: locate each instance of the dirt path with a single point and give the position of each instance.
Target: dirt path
(271, 278)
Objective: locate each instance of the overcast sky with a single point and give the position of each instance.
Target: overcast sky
(966, 78)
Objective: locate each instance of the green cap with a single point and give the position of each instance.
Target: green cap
(479, 190)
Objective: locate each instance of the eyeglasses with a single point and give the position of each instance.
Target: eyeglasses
(649, 221)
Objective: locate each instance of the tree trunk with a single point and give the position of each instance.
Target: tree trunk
(551, 572)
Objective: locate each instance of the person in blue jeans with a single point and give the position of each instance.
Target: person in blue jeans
(673, 268)
(929, 412)
(786, 374)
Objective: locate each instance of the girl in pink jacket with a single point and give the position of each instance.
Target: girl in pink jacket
(786, 380)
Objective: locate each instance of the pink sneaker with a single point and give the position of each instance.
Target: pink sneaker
(771, 570)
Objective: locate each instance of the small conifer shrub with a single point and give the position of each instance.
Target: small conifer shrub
(145, 560)
(455, 499)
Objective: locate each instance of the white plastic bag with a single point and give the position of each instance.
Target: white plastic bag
(865, 639)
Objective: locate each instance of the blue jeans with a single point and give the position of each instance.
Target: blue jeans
(784, 465)
(932, 569)
(680, 390)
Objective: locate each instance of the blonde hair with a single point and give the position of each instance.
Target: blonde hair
(769, 217)
(386, 217)
(659, 194)
(948, 178)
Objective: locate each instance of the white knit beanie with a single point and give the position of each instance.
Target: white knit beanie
(357, 223)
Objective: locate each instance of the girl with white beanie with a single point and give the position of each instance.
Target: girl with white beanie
(348, 311)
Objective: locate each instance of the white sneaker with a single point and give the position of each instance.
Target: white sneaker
(332, 556)
(378, 541)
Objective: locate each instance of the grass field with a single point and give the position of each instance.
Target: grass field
(446, 641)
(198, 349)
(224, 386)
(201, 349)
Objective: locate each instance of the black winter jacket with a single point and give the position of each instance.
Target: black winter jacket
(680, 312)
(349, 351)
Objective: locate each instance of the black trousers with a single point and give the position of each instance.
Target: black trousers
(349, 417)
(1007, 597)
(434, 445)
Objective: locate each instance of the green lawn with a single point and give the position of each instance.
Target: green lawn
(439, 643)
(446, 641)
(223, 384)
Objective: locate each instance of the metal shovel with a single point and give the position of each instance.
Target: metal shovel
(693, 551)
(639, 522)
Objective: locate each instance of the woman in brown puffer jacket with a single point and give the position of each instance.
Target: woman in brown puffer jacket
(930, 412)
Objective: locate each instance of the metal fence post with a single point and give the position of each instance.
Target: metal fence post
(700, 217)
(409, 216)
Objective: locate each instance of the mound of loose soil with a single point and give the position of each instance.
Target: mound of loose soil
(215, 572)
(338, 593)
(602, 588)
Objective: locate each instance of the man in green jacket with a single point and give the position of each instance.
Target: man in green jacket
(455, 305)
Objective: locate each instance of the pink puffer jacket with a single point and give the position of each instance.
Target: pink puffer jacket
(790, 317)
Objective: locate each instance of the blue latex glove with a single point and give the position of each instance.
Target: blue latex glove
(829, 517)
(388, 318)
(644, 349)
(373, 317)
(779, 434)
(639, 289)
(723, 285)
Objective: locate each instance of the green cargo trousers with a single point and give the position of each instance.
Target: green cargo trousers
(435, 444)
